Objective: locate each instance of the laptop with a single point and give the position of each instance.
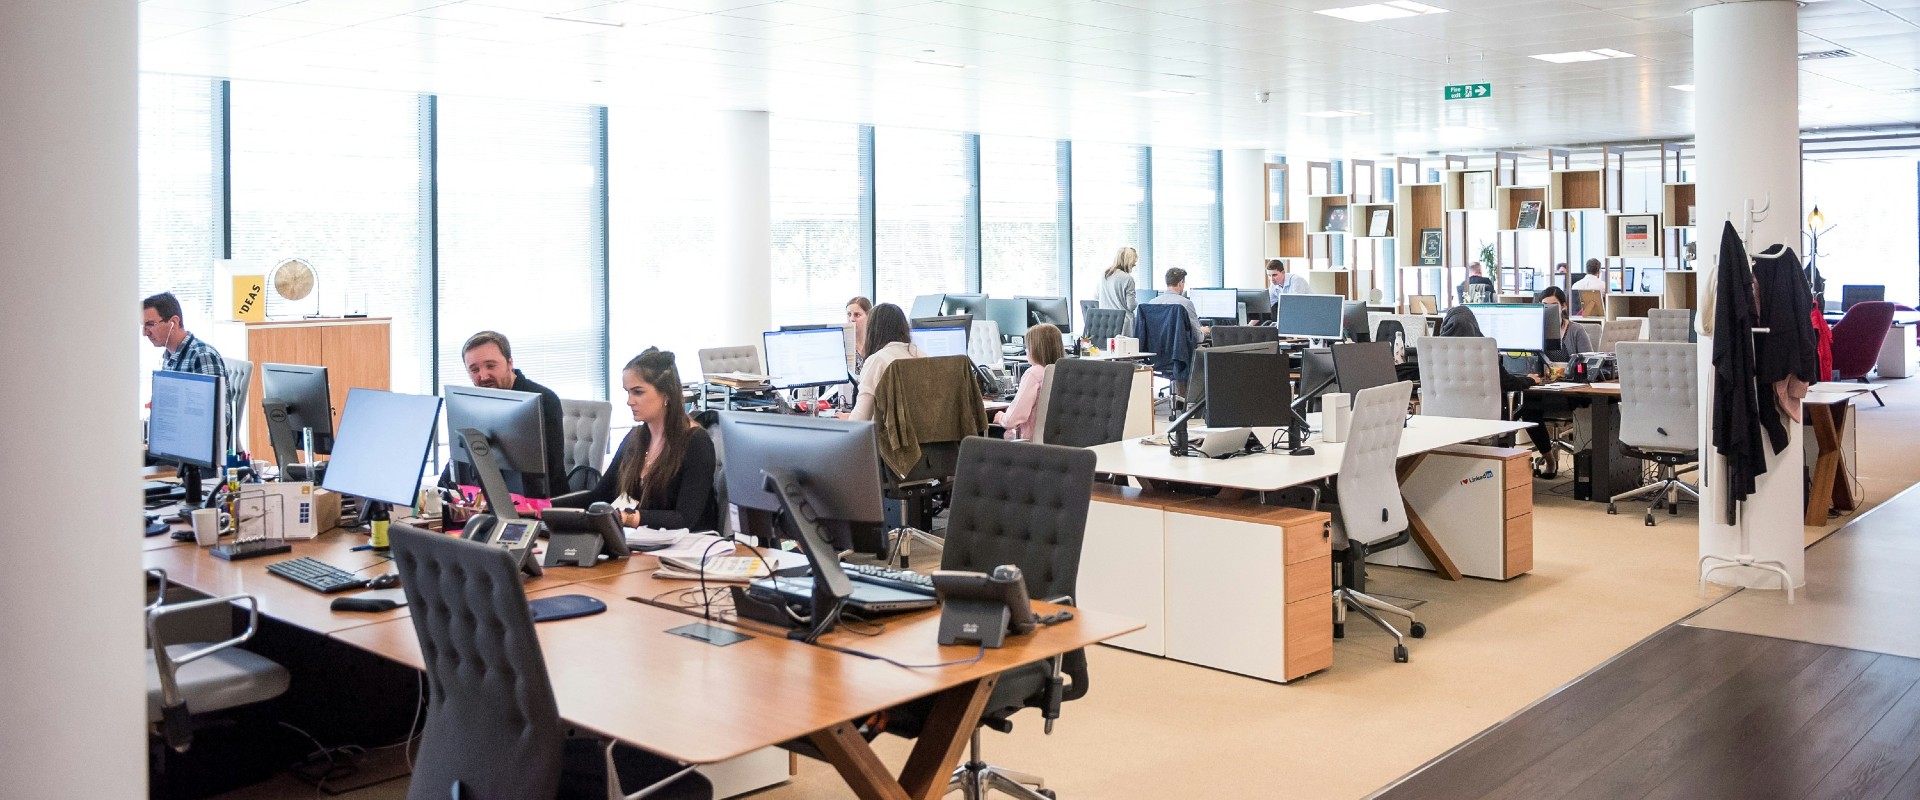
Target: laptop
(868, 598)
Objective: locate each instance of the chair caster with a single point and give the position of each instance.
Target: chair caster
(1673, 509)
(1649, 519)
(1339, 631)
(1399, 654)
(1419, 630)
(1047, 793)
(1611, 509)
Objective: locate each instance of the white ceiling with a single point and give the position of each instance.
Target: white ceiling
(1059, 68)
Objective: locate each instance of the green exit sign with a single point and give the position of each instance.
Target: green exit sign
(1469, 91)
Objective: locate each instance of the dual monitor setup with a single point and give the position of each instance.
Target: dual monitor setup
(814, 356)
(1014, 316)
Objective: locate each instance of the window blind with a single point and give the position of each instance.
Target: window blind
(1186, 214)
(1021, 216)
(818, 255)
(923, 227)
(662, 205)
(1109, 212)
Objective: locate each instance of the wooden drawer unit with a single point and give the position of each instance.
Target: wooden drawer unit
(1478, 502)
(1279, 561)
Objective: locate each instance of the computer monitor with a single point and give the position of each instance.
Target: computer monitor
(927, 305)
(1055, 311)
(184, 422)
(1197, 379)
(1513, 326)
(1353, 321)
(951, 321)
(1550, 325)
(383, 445)
(819, 326)
(1259, 304)
(816, 357)
(970, 304)
(496, 435)
(294, 398)
(1011, 316)
(1216, 304)
(1311, 315)
(1363, 365)
(1142, 295)
(1246, 390)
(837, 461)
(1850, 295)
(1317, 375)
(941, 341)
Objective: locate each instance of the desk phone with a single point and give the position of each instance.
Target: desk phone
(513, 535)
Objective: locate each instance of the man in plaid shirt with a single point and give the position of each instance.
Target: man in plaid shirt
(185, 352)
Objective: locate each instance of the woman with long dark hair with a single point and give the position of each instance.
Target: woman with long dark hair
(662, 475)
(889, 339)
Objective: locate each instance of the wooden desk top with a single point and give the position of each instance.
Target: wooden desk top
(620, 674)
(317, 321)
(1583, 390)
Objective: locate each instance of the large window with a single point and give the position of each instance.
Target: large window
(1109, 212)
(661, 206)
(333, 176)
(521, 238)
(1022, 216)
(179, 190)
(924, 224)
(1186, 213)
(1871, 203)
(818, 257)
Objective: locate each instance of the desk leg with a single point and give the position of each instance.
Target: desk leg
(949, 726)
(1843, 498)
(1826, 466)
(1422, 535)
(857, 763)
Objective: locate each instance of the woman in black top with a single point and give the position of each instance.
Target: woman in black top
(664, 481)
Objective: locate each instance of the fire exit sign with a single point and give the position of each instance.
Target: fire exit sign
(1469, 91)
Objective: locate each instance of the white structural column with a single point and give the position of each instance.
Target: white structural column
(1243, 218)
(743, 237)
(74, 694)
(1746, 111)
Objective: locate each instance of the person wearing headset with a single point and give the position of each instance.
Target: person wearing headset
(161, 324)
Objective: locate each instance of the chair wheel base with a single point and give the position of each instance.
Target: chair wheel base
(1612, 509)
(1400, 654)
(1047, 793)
(1419, 630)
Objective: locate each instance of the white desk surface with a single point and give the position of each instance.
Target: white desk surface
(1266, 472)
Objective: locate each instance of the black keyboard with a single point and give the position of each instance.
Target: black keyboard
(904, 580)
(251, 548)
(317, 575)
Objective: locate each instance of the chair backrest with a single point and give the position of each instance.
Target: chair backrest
(584, 430)
(1024, 504)
(1163, 329)
(1086, 402)
(1229, 335)
(492, 724)
(1103, 324)
(1659, 396)
(983, 343)
(1592, 329)
(1857, 338)
(1669, 324)
(1037, 430)
(1459, 377)
(1370, 505)
(239, 389)
(1615, 331)
(710, 420)
(1589, 302)
(743, 358)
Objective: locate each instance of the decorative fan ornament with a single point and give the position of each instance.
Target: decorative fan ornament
(293, 279)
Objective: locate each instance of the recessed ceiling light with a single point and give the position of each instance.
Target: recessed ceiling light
(1160, 93)
(1374, 12)
(1820, 55)
(1333, 114)
(1685, 87)
(948, 64)
(1601, 54)
(926, 65)
(611, 23)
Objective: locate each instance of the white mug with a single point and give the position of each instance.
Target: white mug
(206, 526)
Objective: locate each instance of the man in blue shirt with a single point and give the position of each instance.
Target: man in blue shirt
(185, 352)
(1281, 281)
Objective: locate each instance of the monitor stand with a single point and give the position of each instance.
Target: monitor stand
(493, 485)
(280, 432)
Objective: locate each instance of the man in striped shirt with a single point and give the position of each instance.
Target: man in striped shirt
(185, 352)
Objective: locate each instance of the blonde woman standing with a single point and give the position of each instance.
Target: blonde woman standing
(1117, 287)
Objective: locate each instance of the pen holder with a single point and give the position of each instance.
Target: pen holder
(1336, 410)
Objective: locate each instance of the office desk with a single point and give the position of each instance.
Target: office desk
(1610, 471)
(1270, 472)
(621, 675)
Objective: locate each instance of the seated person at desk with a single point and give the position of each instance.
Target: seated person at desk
(1592, 282)
(857, 310)
(162, 324)
(489, 360)
(1043, 349)
(889, 339)
(1176, 294)
(1280, 281)
(663, 481)
(1460, 322)
(1573, 336)
(1476, 277)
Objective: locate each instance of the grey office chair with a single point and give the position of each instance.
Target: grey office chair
(584, 426)
(1659, 401)
(189, 679)
(1459, 377)
(1037, 431)
(493, 728)
(1022, 504)
(1593, 331)
(1086, 402)
(1105, 323)
(239, 388)
(1615, 331)
(742, 358)
(1371, 517)
(984, 344)
(1228, 335)
(1669, 324)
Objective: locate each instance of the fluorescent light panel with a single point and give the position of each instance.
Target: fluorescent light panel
(1685, 87)
(1375, 12)
(1334, 114)
(611, 23)
(1570, 57)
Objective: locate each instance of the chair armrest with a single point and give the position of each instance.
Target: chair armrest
(173, 707)
(616, 792)
(160, 593)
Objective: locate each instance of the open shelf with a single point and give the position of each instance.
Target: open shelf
(1331, 281)
(1360, 220)
(1680, 289)
(1419, 206)
(1455, 193)
(1677, 205)
(1577, 190)
(1507, 200)
(1317, 207)
(1653, 235)
(1286, 239)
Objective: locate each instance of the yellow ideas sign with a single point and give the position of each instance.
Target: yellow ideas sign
(249, 298)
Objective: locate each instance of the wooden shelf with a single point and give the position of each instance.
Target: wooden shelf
(1680, 289)
(1653, 233)
(1317, 205)
(1507, 200)
(1454, 182)
(1331, 281)
(1419, 206)
(1677, 205)
(1360, 216)
(1577, 190)
(1286, 239)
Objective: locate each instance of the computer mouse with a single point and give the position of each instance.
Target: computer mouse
(386, 581)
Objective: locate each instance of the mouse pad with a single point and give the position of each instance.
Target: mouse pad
(566, 606)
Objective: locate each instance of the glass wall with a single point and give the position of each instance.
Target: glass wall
(1186, 214)
(1109, 212)
(1022, 216)
(925, 235)
(179, 192)
(818, 256)
(1870, 204)
(661, 206)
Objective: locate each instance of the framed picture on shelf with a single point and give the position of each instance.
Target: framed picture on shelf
(1479, 189)
(1431, 243)
(1636, 236)
(1529, 215)
(1377, 221)
(1336, 218)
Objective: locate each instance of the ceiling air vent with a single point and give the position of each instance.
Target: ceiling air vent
(1822, 55)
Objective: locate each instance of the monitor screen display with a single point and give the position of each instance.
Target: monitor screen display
(941, 341)
(185, 418)
(1010, 315)
(1313, 315)
(1216, 303)
(806, 358)
(382, 445)
(1513, 326)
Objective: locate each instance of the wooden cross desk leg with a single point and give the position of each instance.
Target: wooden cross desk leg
(949, 726)
(1422, 535)
(1828, 492)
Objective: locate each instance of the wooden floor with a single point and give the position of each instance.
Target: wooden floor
(1694, 713)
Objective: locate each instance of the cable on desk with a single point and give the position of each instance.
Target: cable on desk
(957, 662)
